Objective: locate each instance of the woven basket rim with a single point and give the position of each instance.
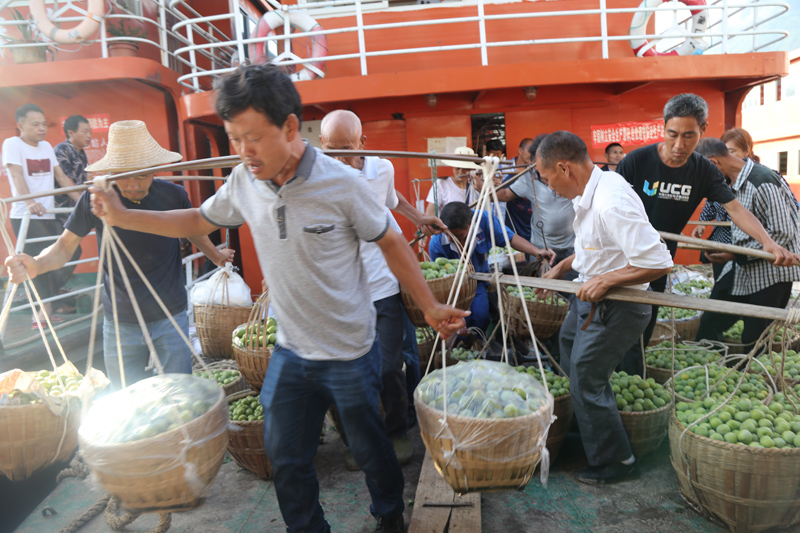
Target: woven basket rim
(724, 445)
(650, 412)
(121, 446)
(255, 352)
(461, 418)
(225, 306)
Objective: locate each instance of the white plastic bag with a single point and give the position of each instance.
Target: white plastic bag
(225, 287)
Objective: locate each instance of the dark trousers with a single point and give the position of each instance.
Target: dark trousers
(713, 325)
(394, 396)
(632, 362)
(411, 358)
(296, 395)
(589, 357)
(48, 284)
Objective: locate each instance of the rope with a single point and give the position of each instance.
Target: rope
(87, 516)
(118, 523)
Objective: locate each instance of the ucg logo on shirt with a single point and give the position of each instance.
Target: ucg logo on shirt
(668, 191)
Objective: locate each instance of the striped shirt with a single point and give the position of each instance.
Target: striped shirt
(767, 195)
(716, 211)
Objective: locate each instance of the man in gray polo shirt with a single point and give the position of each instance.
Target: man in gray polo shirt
(553, 211)
(308, 213)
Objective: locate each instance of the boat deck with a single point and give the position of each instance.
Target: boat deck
(239, 502)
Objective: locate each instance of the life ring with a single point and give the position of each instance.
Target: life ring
(86, 28)
(643, 48)
(273, 20)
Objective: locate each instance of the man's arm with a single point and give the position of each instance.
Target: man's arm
(445, 319)
(506, 195)
(178, 223)
(218, 257)
(427, 224)
(518, 243)
(66, 181)
(52, 258)
(594, 289)
(18, 178)
(750, 225)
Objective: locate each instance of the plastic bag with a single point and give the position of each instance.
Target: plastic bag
(225, 287)
(148, 408)
(496, 418)
(18, 387)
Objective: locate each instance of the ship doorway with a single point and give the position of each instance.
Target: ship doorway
(488, 129)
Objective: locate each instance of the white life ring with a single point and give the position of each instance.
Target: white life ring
(643, 48)
(273, 20)
(85, 29)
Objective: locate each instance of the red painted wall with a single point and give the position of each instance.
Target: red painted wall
(122, 100)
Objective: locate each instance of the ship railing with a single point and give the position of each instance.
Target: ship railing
(721, 30)
(166, 40)
(22, 240)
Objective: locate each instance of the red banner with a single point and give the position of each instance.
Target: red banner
(98, 123)
(628, 133)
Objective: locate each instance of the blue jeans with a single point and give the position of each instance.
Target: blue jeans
(411, 357)
(173, 353)
(296, 395)
(479, 308)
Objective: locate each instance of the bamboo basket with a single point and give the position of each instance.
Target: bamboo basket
(662, 375)
(253, 360)
(506, 460)
(475, 346)
(440, 288)
(145, 476)
(646, 429)
(662, 331)
(749, 489)
(546, 319)
(215, 323)
(562, 409)
(225, 364)
(246, 442)
(685, 328)
(30, 436)
(425, 348)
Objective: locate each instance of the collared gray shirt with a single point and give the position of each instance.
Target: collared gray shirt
(306, 235)
(556, 212)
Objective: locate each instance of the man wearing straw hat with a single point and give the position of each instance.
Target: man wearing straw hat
(131, 147)
(457, 188)
(308, 213)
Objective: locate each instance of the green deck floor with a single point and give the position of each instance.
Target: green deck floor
(239, 502)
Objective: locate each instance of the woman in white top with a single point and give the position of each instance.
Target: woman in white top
(459, 188)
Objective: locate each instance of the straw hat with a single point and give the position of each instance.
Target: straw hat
(131, 147)
(462, 150)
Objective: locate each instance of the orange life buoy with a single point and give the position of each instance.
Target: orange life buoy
(275, 19)
(643, 48)
(85, 29)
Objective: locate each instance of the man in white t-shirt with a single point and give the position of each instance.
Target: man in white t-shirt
(341, 130)
(33, 168)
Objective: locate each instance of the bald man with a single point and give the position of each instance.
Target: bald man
(341, 130)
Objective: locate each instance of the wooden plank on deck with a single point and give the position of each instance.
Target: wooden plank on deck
(432, 488)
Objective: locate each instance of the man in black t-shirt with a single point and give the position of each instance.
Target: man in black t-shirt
(672, 180)
(131, 147)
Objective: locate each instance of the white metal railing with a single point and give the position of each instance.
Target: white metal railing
(165, 39)
(720, 31)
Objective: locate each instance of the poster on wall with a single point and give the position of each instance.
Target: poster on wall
(99, 124)
(628, 133)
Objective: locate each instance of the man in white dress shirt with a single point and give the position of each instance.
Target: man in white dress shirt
(341, 130)
(615, 246)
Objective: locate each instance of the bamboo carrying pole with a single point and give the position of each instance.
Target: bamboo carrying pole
(709, 223)
(702, 244)
(623, 294)
(231, 161)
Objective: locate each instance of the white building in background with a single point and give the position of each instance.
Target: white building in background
(771, 113)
